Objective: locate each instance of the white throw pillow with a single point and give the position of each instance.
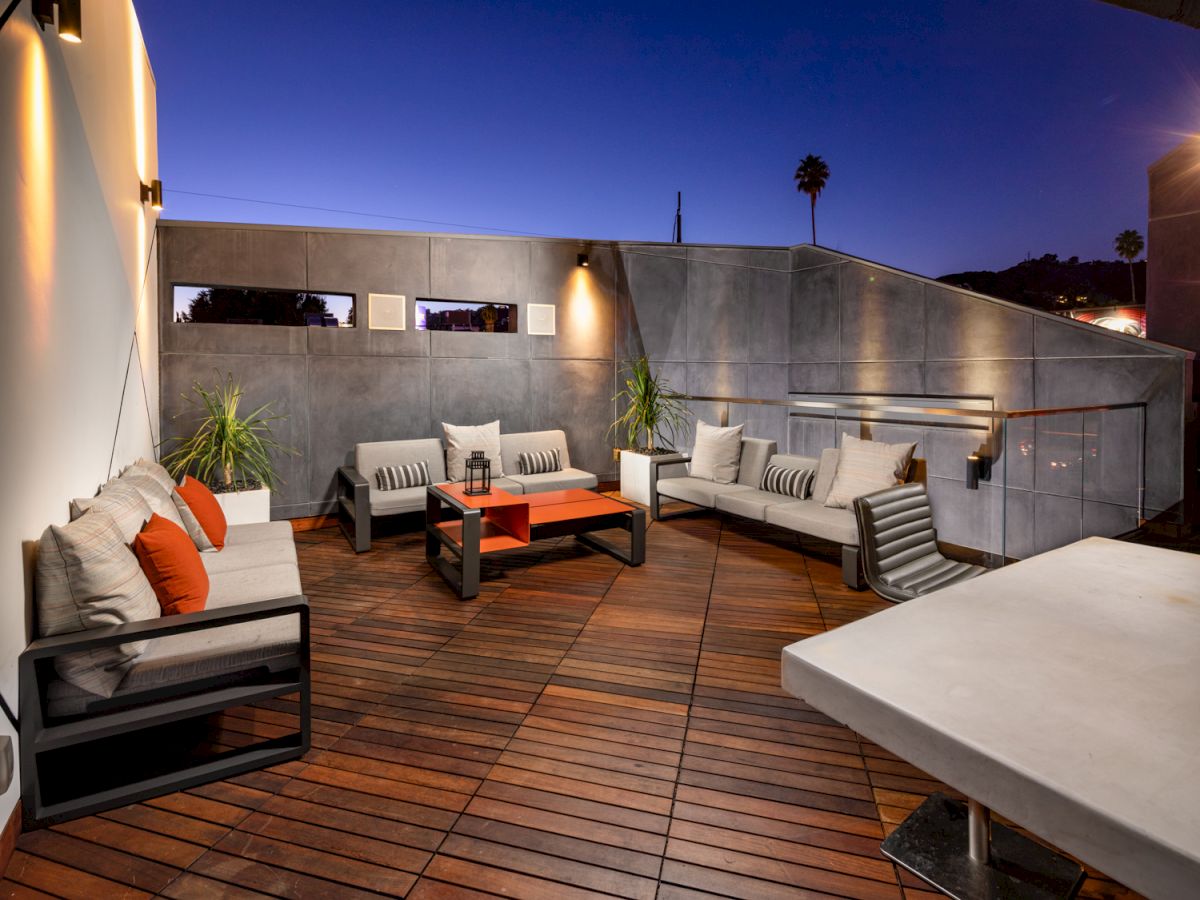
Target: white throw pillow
(718, 453)
(865, 467)
(462, 439)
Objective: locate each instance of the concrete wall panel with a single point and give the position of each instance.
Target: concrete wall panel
(718, 288)
(883, 315)
(657, 288)
(474, 391)
(815, 322)
(584, 412)
(962, 327)
(479, 269)
(278, 380)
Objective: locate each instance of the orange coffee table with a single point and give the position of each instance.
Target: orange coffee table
(489, 523)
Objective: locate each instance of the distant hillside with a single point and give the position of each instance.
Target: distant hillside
(1056, 284)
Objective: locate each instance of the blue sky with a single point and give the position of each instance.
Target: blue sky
(960, 135)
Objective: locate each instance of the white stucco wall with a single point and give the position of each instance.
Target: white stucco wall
(76, 245)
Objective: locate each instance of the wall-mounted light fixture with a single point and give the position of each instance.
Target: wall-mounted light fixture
(70, 18)
(582, 260)
(978, 467)
(152, 194)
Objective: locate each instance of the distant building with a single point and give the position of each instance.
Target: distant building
(1173, 248)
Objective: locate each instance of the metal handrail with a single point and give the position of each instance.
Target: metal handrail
(955, 412)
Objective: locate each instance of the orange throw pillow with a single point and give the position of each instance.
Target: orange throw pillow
(172, 566)
(205, 508)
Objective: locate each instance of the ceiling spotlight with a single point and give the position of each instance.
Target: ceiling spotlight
(152, 194)
(70, 18)
(582, 260)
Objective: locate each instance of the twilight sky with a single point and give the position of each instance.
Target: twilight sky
(960, 135)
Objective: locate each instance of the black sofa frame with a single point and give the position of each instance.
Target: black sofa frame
(42, 737)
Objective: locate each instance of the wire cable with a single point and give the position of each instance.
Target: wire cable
(354, 212)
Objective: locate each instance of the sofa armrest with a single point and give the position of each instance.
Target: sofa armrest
(656, 462)
(354, 503)
(94, 638)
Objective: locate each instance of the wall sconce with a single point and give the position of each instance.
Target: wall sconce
(978, 467)
(152, 194)
(70, 18)
(582, 260)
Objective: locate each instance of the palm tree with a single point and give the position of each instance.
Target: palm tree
(811, 175)
(1129, 246)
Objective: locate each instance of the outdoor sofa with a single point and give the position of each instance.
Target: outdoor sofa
(745, 498)
(360, 498)
(83, 752)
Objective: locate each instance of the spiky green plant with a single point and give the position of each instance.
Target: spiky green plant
(225, 446)
(651, 409)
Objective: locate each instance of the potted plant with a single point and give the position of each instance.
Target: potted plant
(654, 417)
(231, 453)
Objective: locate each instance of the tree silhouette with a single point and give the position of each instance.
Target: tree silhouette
(811, 175)
(1129, 246)
(247, 306)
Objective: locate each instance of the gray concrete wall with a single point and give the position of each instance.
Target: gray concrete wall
(731, 321)
(1173, 265)
(760, 323)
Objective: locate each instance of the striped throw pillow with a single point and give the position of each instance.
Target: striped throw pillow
(790, 482)
(539, 462)
(393, 478)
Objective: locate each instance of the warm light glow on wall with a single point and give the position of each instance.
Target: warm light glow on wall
(137, 54)
(581, 304)
(36, 179)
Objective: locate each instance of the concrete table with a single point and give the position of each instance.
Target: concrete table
(1062, 691)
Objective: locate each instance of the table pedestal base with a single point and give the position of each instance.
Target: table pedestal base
(934, 844)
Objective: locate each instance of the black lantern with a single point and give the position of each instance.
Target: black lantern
(479, 474)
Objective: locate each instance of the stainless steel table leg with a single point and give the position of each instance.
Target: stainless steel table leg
(979, 832)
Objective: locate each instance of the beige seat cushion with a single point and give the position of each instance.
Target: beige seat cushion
(179, 658)
(717, 453)
(810, 517)
(258, 531)
(555, 481)
(87, 577)
(509, 484)
(460, 440)
(402, 500)
(699, 491)
(750, 503)
(250, 555)
(865, 467)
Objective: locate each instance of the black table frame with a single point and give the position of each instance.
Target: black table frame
(464, 577)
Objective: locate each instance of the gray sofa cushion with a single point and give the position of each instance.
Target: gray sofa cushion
(531, 442)
(811, 517)
(250, 555)
(370, 456)
(826, 470)
(509, 484)
(717, 455)
(750, 503)
(390, 503)
(755, 454)
(249, 585)
(700, 491)
(555, 481)
(258, 531)
(183, 657)
(462, 440)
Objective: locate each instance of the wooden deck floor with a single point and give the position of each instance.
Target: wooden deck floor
(580, 729)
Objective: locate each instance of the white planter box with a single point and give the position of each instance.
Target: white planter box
(635, 474)
(246, 507)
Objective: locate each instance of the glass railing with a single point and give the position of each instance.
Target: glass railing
(1006, 483)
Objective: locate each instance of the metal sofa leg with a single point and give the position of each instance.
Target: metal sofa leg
(852, 574)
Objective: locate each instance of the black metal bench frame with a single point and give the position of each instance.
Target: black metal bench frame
(41, 734)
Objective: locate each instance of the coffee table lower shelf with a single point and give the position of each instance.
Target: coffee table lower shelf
(501, 521)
